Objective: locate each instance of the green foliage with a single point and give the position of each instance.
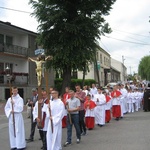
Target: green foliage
(58, 83)
(144, 68)
(69, 29)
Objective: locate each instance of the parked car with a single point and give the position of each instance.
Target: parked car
(111, 84)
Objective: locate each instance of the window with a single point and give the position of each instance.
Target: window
(1, 42)
(1, 39)
(9, 40)
(97, 56)
(101, 58)
(1, 72)
(10, 66)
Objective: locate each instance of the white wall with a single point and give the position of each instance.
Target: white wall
(120, 67)
(89, 75)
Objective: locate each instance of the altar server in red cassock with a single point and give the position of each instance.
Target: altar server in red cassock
(116, 109)
(65, 97)
(89, 106)
(108, 107)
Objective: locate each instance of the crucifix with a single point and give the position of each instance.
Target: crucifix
(40, 62)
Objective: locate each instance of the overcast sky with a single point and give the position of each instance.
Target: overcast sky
(129, 20)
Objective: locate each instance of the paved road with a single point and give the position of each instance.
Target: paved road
(130, 133)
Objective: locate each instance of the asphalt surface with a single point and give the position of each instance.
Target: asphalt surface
(130, 133)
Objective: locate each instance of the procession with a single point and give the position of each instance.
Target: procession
(82, 108)
(74, 75)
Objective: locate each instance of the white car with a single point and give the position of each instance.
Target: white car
(111, 84)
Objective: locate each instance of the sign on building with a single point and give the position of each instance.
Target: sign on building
(39, 51)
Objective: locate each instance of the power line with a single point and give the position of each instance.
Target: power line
(127, 41)
(15, 10)
(105, 46)
(130, 36)
(131, 33)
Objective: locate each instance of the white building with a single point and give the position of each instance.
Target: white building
(121, 68)
(16, 45)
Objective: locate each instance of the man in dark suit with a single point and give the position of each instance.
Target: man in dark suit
(146, 98)
(32, 102)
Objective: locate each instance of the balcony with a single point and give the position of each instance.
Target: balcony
(16, 78)
(14, 49)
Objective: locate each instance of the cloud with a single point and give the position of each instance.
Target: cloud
(129, 20)
(21, 19)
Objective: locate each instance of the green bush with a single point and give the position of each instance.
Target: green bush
(58, 83)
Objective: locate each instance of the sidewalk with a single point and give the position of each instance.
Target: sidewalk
(2, 105)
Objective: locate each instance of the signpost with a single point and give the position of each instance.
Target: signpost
(39, 51)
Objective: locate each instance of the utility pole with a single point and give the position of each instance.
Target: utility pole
(130, 70)
(123, 70)
(123, 59)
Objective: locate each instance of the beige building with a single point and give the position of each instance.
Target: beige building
(105, 69)
(100, 69)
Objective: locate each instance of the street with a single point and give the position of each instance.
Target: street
(130, 133)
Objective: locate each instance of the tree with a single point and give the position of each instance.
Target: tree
(144, 68)
(69, 30)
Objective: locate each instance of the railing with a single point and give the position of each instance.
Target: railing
(16, 78)
(13, 49)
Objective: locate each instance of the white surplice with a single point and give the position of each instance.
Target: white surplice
(124, 100)
(100, 109)
(57, 112)
(35, 115)
(18, 141)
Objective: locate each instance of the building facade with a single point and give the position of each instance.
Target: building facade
(100, 69)
(16, 45)
(120, 67)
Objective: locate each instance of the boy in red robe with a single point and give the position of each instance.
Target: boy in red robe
(107, 108)
(64, 99)
(116, 109)
(89, 106)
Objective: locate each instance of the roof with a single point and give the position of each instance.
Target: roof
(114, 69)
(8, 24)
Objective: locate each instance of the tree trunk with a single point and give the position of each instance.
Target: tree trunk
(83, 79)
(66, 78)
(97, 72)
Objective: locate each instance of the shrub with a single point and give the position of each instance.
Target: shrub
(58, 83)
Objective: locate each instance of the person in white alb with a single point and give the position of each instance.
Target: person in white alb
(100, 101)
(136, 96)
(93, 90)
(13, 109)
(124, 95)
(55, 112)
(130, 101)
(123, 101)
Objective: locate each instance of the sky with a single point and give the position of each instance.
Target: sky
(129, 20)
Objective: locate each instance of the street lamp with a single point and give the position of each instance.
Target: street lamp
(7, 70)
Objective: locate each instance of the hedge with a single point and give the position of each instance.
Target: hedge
(58, 83)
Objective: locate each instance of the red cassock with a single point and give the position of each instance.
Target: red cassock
(116, 109)
(115, 93)
(107, 112)
(64, 120)
(89, 117)
(44, 114)
(89, 104)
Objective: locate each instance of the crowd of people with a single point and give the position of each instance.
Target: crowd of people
(81, 108)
